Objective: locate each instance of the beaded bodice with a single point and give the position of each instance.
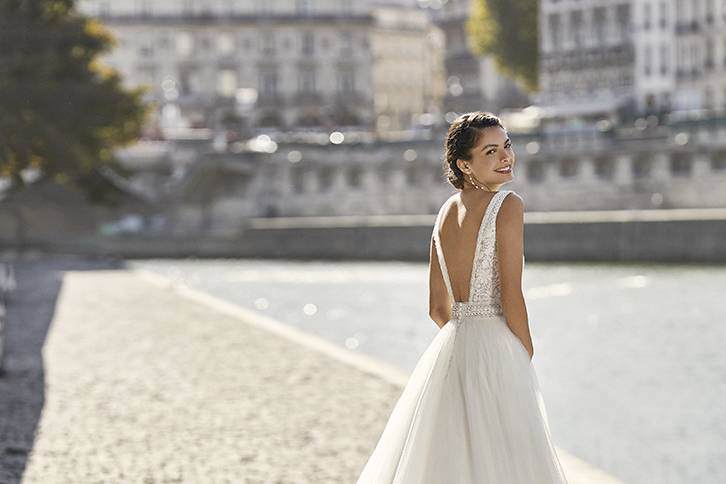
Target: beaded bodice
(484, 286)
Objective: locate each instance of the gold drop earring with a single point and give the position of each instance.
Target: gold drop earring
(471, 180)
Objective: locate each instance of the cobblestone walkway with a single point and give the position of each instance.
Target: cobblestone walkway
(138, 384)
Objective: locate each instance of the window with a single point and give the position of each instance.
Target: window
(146, 51)
(695, 56)
(576, 29)
(297, 176)
(355, 176)
(346, 43)
(696, 12)
(708, 98)
(646, 15)
(641, 167)
(268, 44)
(553, 21)
(710, 58)
(680, 165)
(622, 13)
(604, 168)
(189, 82)
(709, 12)
(325, 179)
(306, 80)
(346, 81)
(599, 24)
(647, 57)
(308, 43)
(412, 175)
(268, 83)
(568, 167)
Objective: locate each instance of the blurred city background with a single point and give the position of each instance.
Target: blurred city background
(284, 157)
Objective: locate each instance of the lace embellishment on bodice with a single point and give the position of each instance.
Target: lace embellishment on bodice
(484, 285)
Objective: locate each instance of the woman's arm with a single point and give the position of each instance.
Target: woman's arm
(510, 249)
(439, 303)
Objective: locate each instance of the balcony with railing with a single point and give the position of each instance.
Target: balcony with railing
(214, 17)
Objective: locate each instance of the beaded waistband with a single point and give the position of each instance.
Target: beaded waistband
(469, 309)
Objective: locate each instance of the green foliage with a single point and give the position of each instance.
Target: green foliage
(508, 30)
(61, 110)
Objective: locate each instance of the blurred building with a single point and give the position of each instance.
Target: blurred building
(473, 82)
(602, 58)
(376, 64)
(699, 54)
(277, 64)
(409, 81)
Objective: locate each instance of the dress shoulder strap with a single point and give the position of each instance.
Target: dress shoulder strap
(439, 250)
(496, 205)
(490, 226)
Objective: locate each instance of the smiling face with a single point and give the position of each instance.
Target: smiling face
(491, 160)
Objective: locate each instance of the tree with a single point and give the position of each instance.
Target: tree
(508, 30)
(62, 112)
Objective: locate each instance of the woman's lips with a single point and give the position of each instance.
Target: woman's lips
(506, 169)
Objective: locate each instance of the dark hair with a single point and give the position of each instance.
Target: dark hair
(462, 136)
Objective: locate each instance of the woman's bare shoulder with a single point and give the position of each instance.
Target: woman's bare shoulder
(446, 205)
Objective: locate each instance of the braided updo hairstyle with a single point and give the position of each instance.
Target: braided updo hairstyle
(462, 136)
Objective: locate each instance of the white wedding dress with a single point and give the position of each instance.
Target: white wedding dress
(471, 411)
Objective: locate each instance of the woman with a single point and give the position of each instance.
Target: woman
(472, 411)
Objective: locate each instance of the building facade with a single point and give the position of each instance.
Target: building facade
(409, 80)
(633, 58)
(699, 56)
(274, 64)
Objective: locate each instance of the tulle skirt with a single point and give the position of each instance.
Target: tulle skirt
(470, 413)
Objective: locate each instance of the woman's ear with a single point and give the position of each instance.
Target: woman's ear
(463, 166)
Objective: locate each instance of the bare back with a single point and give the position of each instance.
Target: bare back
(460, 224)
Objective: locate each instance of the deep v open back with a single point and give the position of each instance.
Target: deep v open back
(471, 411)
(484, 287)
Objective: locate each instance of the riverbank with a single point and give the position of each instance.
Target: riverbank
(664, 236)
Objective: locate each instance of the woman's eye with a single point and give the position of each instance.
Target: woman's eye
(490, 152)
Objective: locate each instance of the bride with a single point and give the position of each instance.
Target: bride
(471, 411)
